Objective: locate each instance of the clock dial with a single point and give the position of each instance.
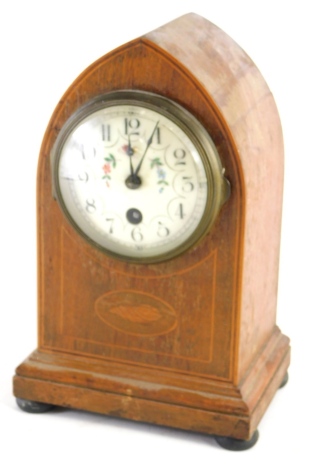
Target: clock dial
(135, 179)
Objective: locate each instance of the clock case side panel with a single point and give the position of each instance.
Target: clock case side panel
(249, 113)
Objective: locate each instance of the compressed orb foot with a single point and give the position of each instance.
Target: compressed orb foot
(230, 443)
(33, 406)
(284, 381)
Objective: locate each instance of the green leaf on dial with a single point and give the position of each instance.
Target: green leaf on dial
(156, 162)
(111, 159)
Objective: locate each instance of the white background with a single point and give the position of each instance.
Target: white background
(44, 46)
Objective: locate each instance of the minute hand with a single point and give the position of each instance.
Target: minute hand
(150, 140)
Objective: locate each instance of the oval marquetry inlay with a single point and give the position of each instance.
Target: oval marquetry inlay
(136, 313)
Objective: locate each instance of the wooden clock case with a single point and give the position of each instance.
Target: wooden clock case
(191, 342)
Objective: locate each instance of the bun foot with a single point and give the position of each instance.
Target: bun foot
(33, 406)
(284, 381)
(230, 443)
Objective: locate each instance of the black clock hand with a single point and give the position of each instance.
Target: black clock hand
(150, 140)
(134, 181)
(130, 152)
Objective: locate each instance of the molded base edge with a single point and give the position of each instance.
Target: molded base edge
(66, 381)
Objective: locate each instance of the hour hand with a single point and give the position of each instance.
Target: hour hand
(133, 181)
(130, 152)
(129, 148)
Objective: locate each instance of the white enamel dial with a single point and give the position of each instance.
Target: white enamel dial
(131, 177)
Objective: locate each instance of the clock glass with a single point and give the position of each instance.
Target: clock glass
(138, 176)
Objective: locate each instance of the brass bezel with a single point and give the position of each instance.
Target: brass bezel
(218, 186)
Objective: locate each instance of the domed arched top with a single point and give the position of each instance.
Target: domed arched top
(234, 84)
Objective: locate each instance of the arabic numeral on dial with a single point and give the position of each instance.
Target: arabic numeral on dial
(111, 225)
(87, 156)
(162, 231)
(188, 185)
(179, 155)
(131, 124)
(156, 136)
(83, 177)
(90, 206)
(180, 211)
(83, 152)
(106, 132)
(136, 235)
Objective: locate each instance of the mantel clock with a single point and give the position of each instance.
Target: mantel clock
(159, 212)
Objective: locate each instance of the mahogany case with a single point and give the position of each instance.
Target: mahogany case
(191, 342)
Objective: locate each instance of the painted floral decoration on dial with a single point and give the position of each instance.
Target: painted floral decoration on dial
(110, 162)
